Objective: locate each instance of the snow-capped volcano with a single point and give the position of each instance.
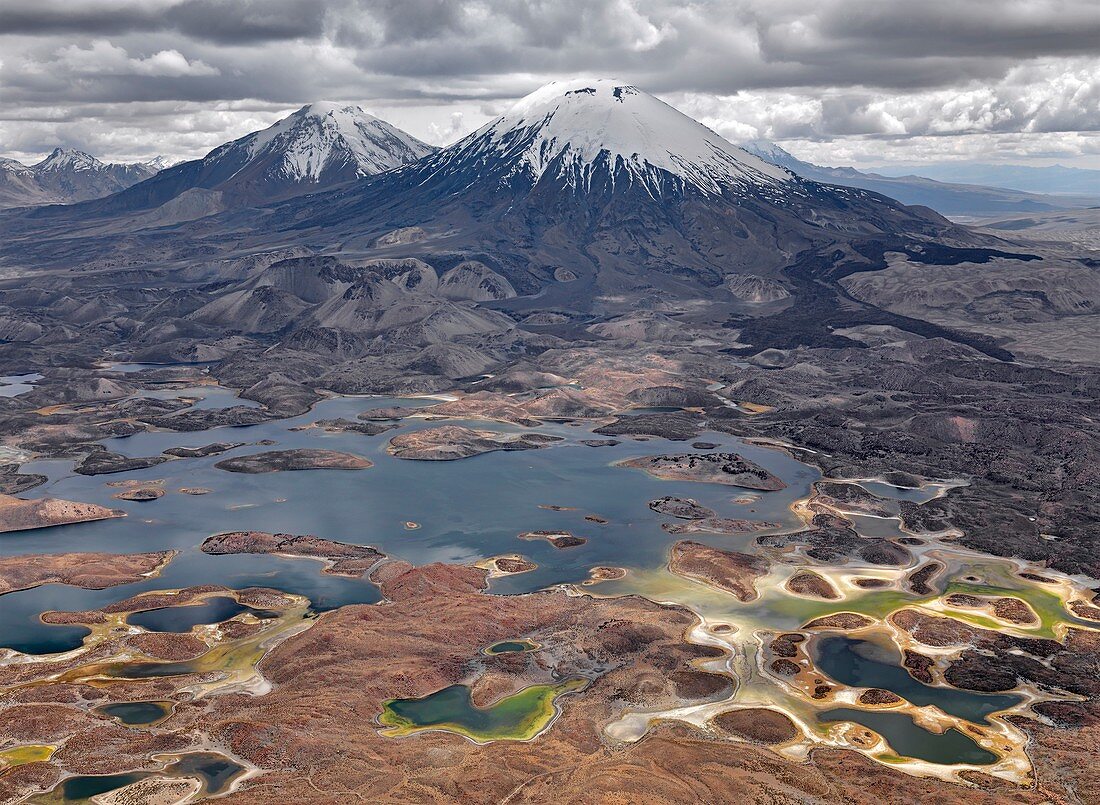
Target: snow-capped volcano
(325, 141)
(600, 183)
(584, 190)
(572, 130)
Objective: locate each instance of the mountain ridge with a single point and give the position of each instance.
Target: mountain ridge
(590, 178)
(319, 146)
(963, 201)
(68, 176)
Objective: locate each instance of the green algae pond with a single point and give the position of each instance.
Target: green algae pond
(518, 717)
(27, 753)
(137, 713)
(511, 647)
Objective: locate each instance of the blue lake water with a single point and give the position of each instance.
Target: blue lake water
(14, 385)
(216, 772)
(860, 663)
(467, 510)
(183, 618)
(908, 739)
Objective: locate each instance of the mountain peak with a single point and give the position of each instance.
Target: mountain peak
(66, 176)
(159, 163)
(766, 149)
(568, 126)
(69, 159)
(776, 155)
(332, 109)
(13, 165)
(322, 137)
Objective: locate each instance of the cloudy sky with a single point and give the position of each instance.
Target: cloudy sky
(863, 82)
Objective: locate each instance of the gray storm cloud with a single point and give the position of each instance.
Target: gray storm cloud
(129, 78)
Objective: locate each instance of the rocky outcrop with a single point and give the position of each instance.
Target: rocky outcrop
(731, 571)
(18, 514)
(281, 395)
(234, 416)
(683, 508)
(450, 442)
(103, 462)
(755, 290)
(343, 559)
(843, 621)
(811, 585)
(291, 460)
(559, 539)
(91, 571)
(717, 468)
(758, 725)
(718, 525)
(850, 498)
(12, 482)
(476, 282)
(878, 696)
(140, 494)
(214, 449)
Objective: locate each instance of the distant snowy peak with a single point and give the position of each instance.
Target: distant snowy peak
(64, 177)
(568, 128)
(13, 166)
(318, 147)
(71, 161)
(323, 138)
(770, 152)
(159, 163)
(63, 159)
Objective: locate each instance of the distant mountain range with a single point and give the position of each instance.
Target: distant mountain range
(318, 147)
(68, 176)
(322, 146)
(1053, 180)
(962, 201)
